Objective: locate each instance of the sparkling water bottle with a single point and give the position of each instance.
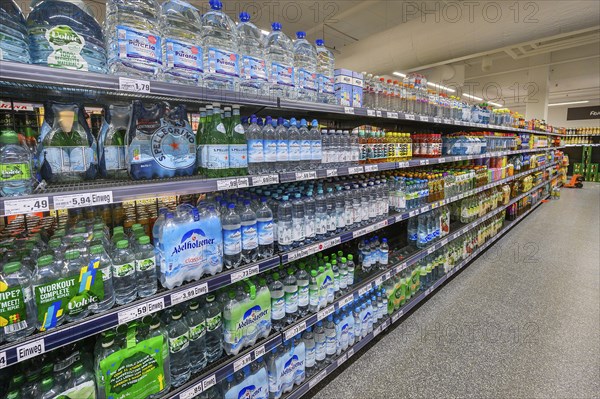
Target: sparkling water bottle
(196, 321)
(320, 345)
(269, 145)
(310, 349)
(310, 220)
(330, 340)
(280, 55)
(285, 225)
(305, 63)
(298, 216)
(124, 273)
(290, 287)
(179, 348)
(214, 329)
(253, 66)
(277, 303)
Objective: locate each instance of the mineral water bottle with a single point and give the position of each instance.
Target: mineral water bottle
(316, 145)
(320, 345)
(285, 224)
(269, 145)
(232, 238)
(310, 349)
(124, 273)
(181, 30)
(264, 217)
(16, 177)
(214, 329)
(112, 141)
(133, 38)
(249, 233)
(298, 216)
(65, 34)
(305, 146)
(238, 145)
(179, 348)
(321, 215)
(309, 217)
(98, 254)
(330, 339)
(17, 283)
(196, 321)
(14, 45)
(351, 267)
(220, 49)
(294, 145)
(283, 146)
(384, 250)
(290, 287)
(305, 63)
(331, 212)
(325, 68)
(303, 280)
(313, 292)
(277, 303)
(280, 55)
(253, 66)
(145, 268)
(254, 135)
(340, 210)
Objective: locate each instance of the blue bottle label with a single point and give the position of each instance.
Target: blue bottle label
(316, 150)
(383, 257)
(238, 156)
(282, 74)
(278, 308)
(114, 157)
(306, 150)
(184, 56)
(139, 46)
(307, 80)
(249, 237)
(294, 150)
(283, 151)
(232, 241)
(270, 150)
(265, 232)
(223, 62)
(253, 68)
(214, 156)
(255, 151)
(326, 85)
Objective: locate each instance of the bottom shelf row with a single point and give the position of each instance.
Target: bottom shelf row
(148, 358)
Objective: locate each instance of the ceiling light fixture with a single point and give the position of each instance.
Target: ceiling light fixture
(399, 74)
(495, 104)
(472, 97)
(437, 86)
(568, 103)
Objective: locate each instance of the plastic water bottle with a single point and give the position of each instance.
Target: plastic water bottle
(249, 233)
(283, 146)
(290, 287)
(331, 212)
(17, 282)
(214, 327)
(16, 177)
(305, 146)
(310, 348)
(325, 149)
(269, 145)
(65, 34)
(280, 55)
(320, 345)
(181, 30)
(298, 216)
(321, 215)
(305, 63)
(313, 292)
(145, 268)
(179, 348)
(316, 145)
(133, 38)
(422, 239)
(340, 210)
(285, 225)
(330, 339)
(124, 274)
(309, 217)
(325, 68)
(277, 303)
(253, 66)
(254, 135)
(384, 250)
(294, 145)
(303, 280)
(232, 238)
(265, 224)
(220, 49)
(14, 45)
(196, 321)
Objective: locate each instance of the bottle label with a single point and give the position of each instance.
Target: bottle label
(177, 344)
(294, 150)
(291, 302)
(214, 156)
(183, 56)
(310, 356)
(305, 150)
(270, 150)
(114, 157)
(143, 265)
(13, 314)
(278, 308)
(313, 295)
(265, 232)
(383, 257)
(303, 295)
(282, 74)
(197, 331)
(309, 226)
(66, 45)
(232, 241)
(212, 323)
(223, 62)
(307, 80)
(321, 223)
(283, 151)
(139, 46)
(124, 270)
(238, 156)
(68, 159)
(253, 68)
(284, 234)
(81, 390)
(255, 151)
(15, 171)
(330, 345)
(297, 229)
(326, 85)
(316, 150)
(320, 352)
(249, 237)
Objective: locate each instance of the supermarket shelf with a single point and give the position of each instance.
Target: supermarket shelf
(102, 192)
(44, 342)
(582, 145)
(337, 363)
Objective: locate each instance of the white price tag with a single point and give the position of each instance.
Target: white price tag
(355, 169)
(342, 359)
(190, 293)
(141, 310)
(244, 274)
(371, 168)
(242, 362)
(228, 184)
(359, 233)
(318, 378)
(412, 214)
(371, 112)
(364, 290)
(259, 352)
(431, 250)
(409, 117)
(134, 85)
(265, 180)
(379, 281)
(378, 113)
(349, 110)
(403, 164)
(346, 300)
(377, 331)
(447, 121)
(331, 243)
(2, 360)
(437, 120)
(31, 349)
(192, 392)
(332, 172)
(444, 242)
(209, 382)
(295, 330)
(306, 175)
(26, 206)
(424, 162)
(350, 353)
(242, 182)
(395, 317)
(393, 115)
(424, 118)
(83, 199)
(322, 314)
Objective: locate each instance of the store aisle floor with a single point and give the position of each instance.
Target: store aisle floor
(522, 321)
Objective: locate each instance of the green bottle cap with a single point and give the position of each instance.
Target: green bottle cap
(210, 298)
(47, 384)
(275, 276)
(176, 315)
(45, 260)
(77, 239)
(122, 244)
(13, 395)
(9, 137)
(144, 240)
(96, 249)
(54, 243)
(72, 255)
(193, 305)
(344, 260)
(350, 257)
(12, 267)
(47, 369)
(313, 273)
(290, 271)
(98, 226)
(78, 369)
(321, 269)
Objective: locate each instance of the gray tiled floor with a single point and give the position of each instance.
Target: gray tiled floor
(522, 321)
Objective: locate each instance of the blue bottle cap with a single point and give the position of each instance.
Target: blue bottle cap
(315, 123)
(302, 122)
(320, 42)
(384, 240)
(293, 121)
(285, 198)
(244, 17)
(276, 26)
(253, 119)
(298, 195)
(231, 206)
(268, 120)
(300, 35)
(215, 4)
(246, 202)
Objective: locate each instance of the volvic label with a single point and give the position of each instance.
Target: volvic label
(15, 171)
(139, 46)
(212, 323)
(66, 45)
(143, 265)
(197, 331)
(177, 344)
(223, 62)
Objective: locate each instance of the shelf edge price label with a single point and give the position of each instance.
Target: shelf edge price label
(349, 110)
(364, 290)
(355, 170)
(447, 121)
(393, 115)
(319, 377)
(242, 182)
(295, 330)
(332, 172)
(325, 312)
(209, 382)
(371, 168)
(242, 362)
(244, 274)
(424, 118)
(227, 184)
(431, 250)
(424, 162)
(259, 352)
(307, 175)
(186, 295)
(410, 117)
(342, 359)
(346, 300)
(379, 281)
(31, 349)
(82, 200)
(403, 164)
(378, 113)
(26, 205)
(437, 120)
(371, 112)
(134, 85)
(143, 309)
(192, 392)
(3, 360)
(265, 180)
(377, 331)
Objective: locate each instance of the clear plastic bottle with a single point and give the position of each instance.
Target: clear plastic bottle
(13, 29)
(316, 145)
(290, 287)
(331, 212)
(48, 271)
(351, 267)
(16, 177)
(98, 254)
(321, 215)
(283, 146)
(294, 145)
(179, 348)
(196, 321)
(303, 280)
(320, 345)
(124, 273)
(298, 220)
(17, 283)
(305, 146)
(214, 329)
(145, 267)
(253, 65)
(232, 238)
(265, 225)
(255, 140)
(313, 292)
(310, 351)
(330, 339)
(277, 303)
(309, 217)
(72, 267)
(305, 63)
(249, 233)
(325, 68)
(280, 55)
(285, 224)
(269, 145)
(220, 49)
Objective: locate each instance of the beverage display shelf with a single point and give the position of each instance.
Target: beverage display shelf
(582, 145)
(311, 382)
(21, 350)
(103, 192)
(27, 78)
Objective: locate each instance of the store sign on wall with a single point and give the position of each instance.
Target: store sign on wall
(579, 113)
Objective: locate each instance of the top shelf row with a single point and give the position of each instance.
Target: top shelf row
(23, 80)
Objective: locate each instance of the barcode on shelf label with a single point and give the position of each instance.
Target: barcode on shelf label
(364, 290)
(332, 172)
(190, 293)
(265, 180)
(227, 184)
(437, 120)
(209, 382)
(447, 121)
(83, 199)
(410, 117)
(295, 330)
(259, 352)
(349, 110)
(371, 112)
(242, 362)
(244, 274)
(346, 300)
(134, 85)
(30, 349)
(26, 205)
(355, 169)
(403, 164)
(379, 281)
(393, 115)
(378, 113)
(242, 182)
(2, 360)
(424, 162)
(424, 118)
(192, 392)
(141, 310)
(325, 312)
(306, 175)
(371, 168)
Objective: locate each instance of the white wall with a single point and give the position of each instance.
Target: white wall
(557, 116)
